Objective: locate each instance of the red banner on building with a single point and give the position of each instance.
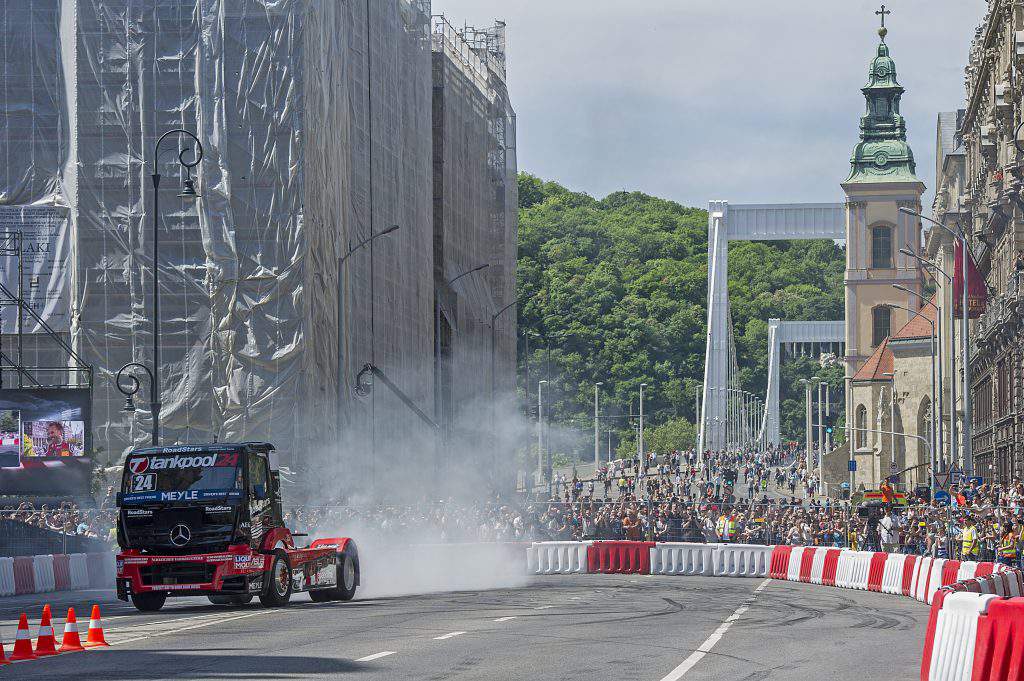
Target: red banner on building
(977, 294)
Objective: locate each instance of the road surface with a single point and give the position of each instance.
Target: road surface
(562, 627)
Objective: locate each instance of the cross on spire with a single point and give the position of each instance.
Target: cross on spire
(882, 13)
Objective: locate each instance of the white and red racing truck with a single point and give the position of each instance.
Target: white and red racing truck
(206, 520)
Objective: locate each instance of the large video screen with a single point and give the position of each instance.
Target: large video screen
(45, 441)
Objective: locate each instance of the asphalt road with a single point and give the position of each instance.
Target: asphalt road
(559, 627)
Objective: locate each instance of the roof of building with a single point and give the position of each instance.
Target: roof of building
(918, 326)
(879, 366)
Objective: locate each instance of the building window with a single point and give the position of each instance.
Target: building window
(860, 424)
(881, 318)
(881, 248)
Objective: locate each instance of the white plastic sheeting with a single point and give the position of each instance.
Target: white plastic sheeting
(315, 117)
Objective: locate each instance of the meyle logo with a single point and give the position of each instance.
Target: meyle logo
(183, 462)
(138, 465)
(190, 495)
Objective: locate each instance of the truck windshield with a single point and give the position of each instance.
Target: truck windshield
(180, 477)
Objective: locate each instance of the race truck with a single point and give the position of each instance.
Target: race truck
(206, 520)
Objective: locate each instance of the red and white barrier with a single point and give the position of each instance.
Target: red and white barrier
(999, 644)
(951, 635)
(544, 558)
(58, 572)
(79, 571)
(742, 560)
(620, 557)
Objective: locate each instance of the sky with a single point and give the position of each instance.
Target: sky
(696, 100)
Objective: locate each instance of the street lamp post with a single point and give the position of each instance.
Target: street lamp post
(965, 360)
(640, 441)
(822, 387)
(540, 435)
(494, 424)
(597, 434)
(188, 193)
(808, 420)
(942, 362)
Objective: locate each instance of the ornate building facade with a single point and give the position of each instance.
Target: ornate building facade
(980, 180)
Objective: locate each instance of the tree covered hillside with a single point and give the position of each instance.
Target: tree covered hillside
(615, 290)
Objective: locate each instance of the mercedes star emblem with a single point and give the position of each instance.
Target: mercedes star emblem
(180, 534)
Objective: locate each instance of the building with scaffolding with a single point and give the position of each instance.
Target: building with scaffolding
(283, 317)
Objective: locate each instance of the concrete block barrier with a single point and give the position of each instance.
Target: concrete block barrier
(7, 587)
(742, 560)
(950, 640)
(683, 559)
(557, 557)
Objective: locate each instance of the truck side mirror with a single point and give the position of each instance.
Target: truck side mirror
(259, 491)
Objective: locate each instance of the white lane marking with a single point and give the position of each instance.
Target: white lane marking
(705, 648)
(449, 635)
(376, 656)
(505, 619)
(543, 607)
(194, 626)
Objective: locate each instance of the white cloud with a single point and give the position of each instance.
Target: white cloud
(699, 99)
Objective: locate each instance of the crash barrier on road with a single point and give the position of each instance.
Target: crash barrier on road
(681, 558)
(620, 557)
(7, 587)
(742, 560)
(557, 557)
(57, 572)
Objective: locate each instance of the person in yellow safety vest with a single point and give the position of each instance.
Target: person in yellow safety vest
(726, 527)
(1008, 546)
(968, 540)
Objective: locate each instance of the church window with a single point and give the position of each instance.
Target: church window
(881, 318)
(881, 247)
(860, 424)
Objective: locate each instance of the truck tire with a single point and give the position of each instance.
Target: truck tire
(230, 600)
(277, 590)
(348, 579)
(150, 601)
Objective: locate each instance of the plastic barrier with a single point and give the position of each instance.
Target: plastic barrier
(892, 574)
(934, 579)
(818, 566)
(620, 557)
(807, 563)
(557, 557)
(7, 577)
(101, 569)
(796, 560)
(950, 572)
(24, 575)
(42, 569)
(909, 570)
(79, 571)
(876, 570)
(853, 569)
(844, 569)
(999, 644)
(922, 571)
(968, 570)
(830, 566)
(742, 560)
(779, 567)
(683, 559)
(949, 646)
(61, 571)
(983, 569)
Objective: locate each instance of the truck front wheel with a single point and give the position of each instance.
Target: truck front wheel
(277, 590)
(150, 601)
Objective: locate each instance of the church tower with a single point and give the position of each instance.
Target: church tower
(882, 180)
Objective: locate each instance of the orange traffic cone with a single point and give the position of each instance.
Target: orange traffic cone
(23, 641)
(95, 638)
(71, 641)
(46, 644)
(3, 658)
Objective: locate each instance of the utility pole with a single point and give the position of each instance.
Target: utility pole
(540, 434)
(597, 433)
(640, 442)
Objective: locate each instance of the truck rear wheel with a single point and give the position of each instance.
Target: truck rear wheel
(348, 579)
(150, 601)
(277, 589)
